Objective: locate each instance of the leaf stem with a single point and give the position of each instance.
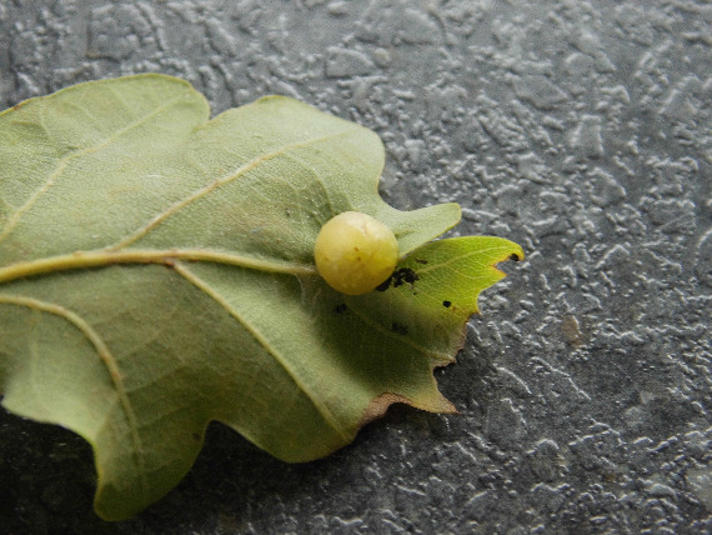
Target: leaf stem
(166, 257)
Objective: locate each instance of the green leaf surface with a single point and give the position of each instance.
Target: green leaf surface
(157, 273)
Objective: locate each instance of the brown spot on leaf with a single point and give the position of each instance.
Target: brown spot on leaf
(379, 406)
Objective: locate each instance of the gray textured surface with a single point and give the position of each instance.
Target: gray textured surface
(582, 130)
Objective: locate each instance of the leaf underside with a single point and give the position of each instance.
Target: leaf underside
(156, 274)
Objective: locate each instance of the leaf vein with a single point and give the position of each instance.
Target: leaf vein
(166, 257)
(321, 408)
(14, 219)
(218, 182)
(434, 355)
(105, 356)
(457, 258)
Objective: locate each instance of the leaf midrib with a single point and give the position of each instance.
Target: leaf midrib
(457, 258)
(118, 254)
(166, 257)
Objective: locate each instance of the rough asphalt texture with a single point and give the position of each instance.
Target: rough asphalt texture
(580, 129)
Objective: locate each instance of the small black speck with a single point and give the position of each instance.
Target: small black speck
(403, 275)
(398, 278)
(399, 328)
(385, 284)
(340, 308)
(447, 304)
(515, 257)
